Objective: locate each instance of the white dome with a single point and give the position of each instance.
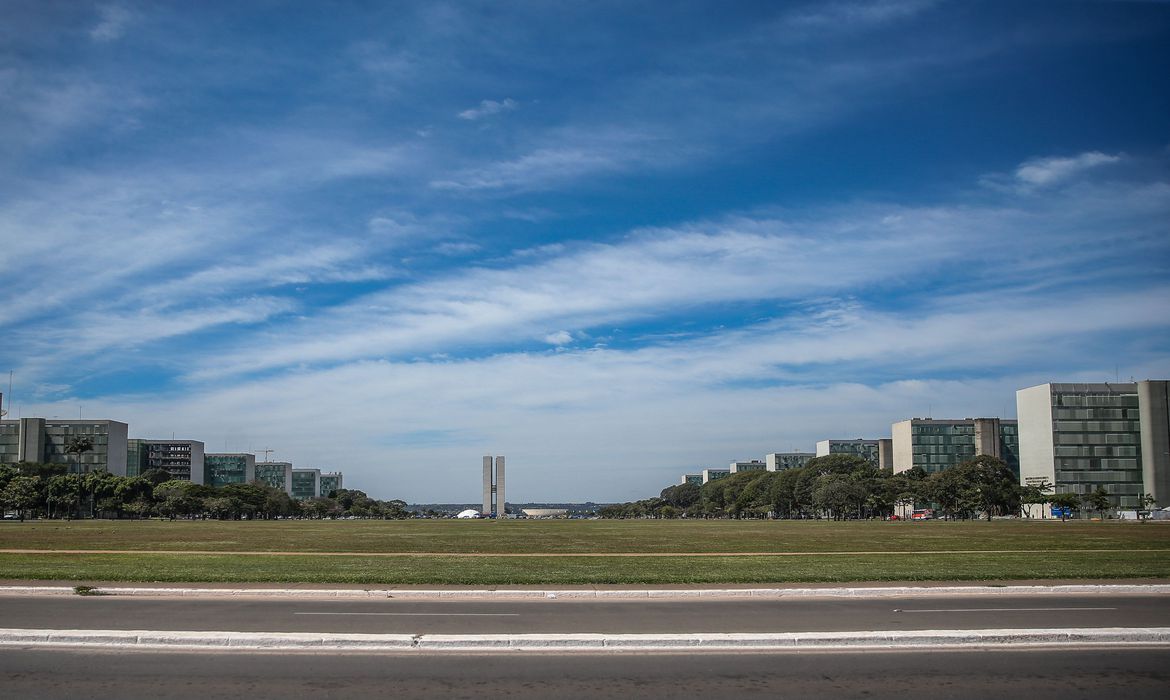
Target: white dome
(468, 514)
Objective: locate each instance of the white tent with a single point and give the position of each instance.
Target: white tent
(468, 514)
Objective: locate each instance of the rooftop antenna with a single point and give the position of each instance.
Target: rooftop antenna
(266, 452)
(3, 412)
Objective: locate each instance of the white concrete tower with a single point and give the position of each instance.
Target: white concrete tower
(501, 505)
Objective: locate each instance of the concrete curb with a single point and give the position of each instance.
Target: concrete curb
(611, 594)
(934, 639)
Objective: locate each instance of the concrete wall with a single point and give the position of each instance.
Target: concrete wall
(1154, 414)
(886, 453)
(987, 437)
(32, 440)
(197, 470)
(487, 485)
(1034, 413)
(501, 499)
(902, 439)
(116, 447)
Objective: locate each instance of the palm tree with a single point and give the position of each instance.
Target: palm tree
(77, 445)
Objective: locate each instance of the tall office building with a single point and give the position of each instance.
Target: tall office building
(183, 459)
(44, 440)
(754, 465)
(494, 497)
(330, 482)
(1079, 437)
(870, 450)
(779, 461)
(937, 444)
(306, 483)
(710, 475)
(221, 469)
(696, 479)
(276, 474)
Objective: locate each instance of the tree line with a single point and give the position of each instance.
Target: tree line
(50, 491)
(847, 486)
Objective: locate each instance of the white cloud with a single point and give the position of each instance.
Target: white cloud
(619, 424)
(570, 154)
(850, 15)
(457, 248)
(559, 338)
(668, 272)
(1041, 172)
(112, 23)
(489, 108)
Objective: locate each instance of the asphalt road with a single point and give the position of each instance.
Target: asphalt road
(1035, 674)
(390, 616)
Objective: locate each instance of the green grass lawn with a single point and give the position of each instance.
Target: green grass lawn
(1003, 550)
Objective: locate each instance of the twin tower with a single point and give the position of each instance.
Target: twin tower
(493, 488)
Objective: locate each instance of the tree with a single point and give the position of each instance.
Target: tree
(7, 473)
(836, 494)
(156, 476)
(681, 495)
(222, 507)
(251, 498)
(99, 484)
(277, 502)
(177, 497)
(133, 495)
(321, 507)
(395, 510)
(1034, 494)
(61, 489)
(1066, 502)
(994, 488)
(22, 493)
(76, 446)
(1098, 500)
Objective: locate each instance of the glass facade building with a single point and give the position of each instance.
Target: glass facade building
(135, 457)
(715, 474)
(754, 465)
(275, 474)
(306, 483)
(329, 483)
(779, 461)
(222, 469)
(868, 450)
(9, 442)
(45, 440)
(1081, 437)
(938, 444)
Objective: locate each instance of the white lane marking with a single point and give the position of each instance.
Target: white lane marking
(389, 614)
(943, 610)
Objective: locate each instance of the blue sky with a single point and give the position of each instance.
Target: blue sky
(615, 244)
